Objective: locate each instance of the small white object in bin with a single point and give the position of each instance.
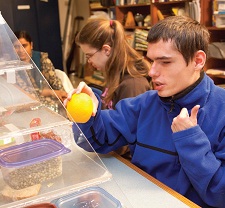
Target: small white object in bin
(19, 137)
(11, 76)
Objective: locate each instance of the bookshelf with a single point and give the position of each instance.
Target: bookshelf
(217, 35)
(122, 10)
(166, 8)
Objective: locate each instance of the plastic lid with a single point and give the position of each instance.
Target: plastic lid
(42, 205)
(89, 197)
(31, 152)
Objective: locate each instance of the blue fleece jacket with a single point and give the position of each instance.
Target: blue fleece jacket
(192, 161)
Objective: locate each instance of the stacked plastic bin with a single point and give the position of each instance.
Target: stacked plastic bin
(39, 160)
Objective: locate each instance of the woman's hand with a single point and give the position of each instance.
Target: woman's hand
(62, 95)
(84, 88)
(183, 121)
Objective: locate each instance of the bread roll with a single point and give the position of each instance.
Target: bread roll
(14, 195)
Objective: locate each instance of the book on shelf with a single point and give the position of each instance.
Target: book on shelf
(155, 1)
(95, 5)
(218, 6)
(139, 46)
(137, 39)
(130, 2)
(141, 40)
(141, 33)
(218, 17)
(216, 71)
(160, 15)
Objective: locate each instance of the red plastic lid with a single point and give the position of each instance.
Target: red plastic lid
(43, 205)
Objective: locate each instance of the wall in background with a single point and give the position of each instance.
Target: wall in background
(49, 22)
(68, 11)
(40, 18)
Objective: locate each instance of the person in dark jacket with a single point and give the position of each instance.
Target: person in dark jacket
(176, 132)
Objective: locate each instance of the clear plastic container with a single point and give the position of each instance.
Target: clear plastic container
(88, 198)
(21, 103)
(32, 163)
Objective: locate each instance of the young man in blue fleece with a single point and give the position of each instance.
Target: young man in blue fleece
(176, 132)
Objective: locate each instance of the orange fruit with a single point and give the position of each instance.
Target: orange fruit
(80, 107)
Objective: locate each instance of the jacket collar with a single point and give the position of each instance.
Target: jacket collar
(195, 94)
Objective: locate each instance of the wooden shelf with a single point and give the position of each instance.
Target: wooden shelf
(122, 10)
(216, 34)
(215, 28)
(101, 8)
(164, 6)
(171, 2)
(132, 5)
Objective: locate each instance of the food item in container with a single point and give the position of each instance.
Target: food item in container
(51, 135)
(10, 194)
(42, 135)
(33, 123)
(89, 197)
(42, 205)
(33, 174)
(32, 163)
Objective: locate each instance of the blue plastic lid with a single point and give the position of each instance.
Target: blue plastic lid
(31, 152)
(89, 197)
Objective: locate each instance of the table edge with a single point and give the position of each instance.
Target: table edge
(155, 181)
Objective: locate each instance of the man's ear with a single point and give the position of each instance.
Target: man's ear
(200, 59)
(107, 49)
(31, 45)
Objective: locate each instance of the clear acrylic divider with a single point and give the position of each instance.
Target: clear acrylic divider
(27, 116)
